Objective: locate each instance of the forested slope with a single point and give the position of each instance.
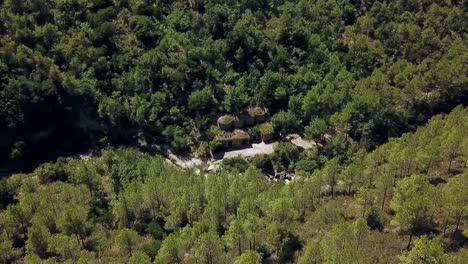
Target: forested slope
(127, 206)
(77, 74)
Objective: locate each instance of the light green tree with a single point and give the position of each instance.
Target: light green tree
(249, 257)
(413, 205)
(455, 201)
(343, 244)
(139, 258)
(425, 251)
(316, 129)
(331, 172)
(313, 254)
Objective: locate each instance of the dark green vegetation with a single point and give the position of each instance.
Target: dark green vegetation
(129, 207)
(80, 73)
(127, 77)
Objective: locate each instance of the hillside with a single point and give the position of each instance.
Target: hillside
(234, 131)
(128, 206)
(80, 74)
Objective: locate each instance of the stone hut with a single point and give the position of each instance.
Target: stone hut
(260, 114)
(231, 124)
(226, 122)
(237, 138)
(248, 117)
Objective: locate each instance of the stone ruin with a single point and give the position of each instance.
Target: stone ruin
(231, 124)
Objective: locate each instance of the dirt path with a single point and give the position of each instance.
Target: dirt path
(256, 149)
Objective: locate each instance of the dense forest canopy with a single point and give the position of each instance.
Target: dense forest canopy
(129, 207)
(78, 73)
(378, 88)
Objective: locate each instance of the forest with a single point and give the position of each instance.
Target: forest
(381, 87)
(126, 206)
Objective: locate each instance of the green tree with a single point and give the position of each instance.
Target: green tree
(235, 100)
(455, 201)
(331, 173)
(316, 130)
(68, 248)
(460, 258)
(74, 221)
(344, 243)
(209, 248)
(127, 242)
(139, 258)
(235, 235)
(249, 257)
(425, 251)
(7, 252)
(171, 250)
(284, 123)
(412, 202)
(7, 192)
(201, 100)
(37, 243)
(313, 254)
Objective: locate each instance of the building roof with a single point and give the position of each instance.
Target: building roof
(227, 119)
(237, 134)
(256, 111)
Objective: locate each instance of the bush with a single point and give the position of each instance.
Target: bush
(50, 172)
(284, 123)
(374, 219)
(285, 155)
(7, 193)
(179, 139)
(239, 164)
(263, 162)
(306, 165)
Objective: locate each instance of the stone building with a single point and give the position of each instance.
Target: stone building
(231, 125)
(226, 122)
(235, 139)
(248, 117)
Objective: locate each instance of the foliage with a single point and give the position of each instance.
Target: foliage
(153, 73)
(425, 250)
(125, 205)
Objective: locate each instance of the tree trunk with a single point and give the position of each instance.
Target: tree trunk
(383, 199)
(445, 227)
(333, 190)
(409, 241)
(428, 167)
(450, 165)
(24, 230)
(239, 246)
(365, 208)
(458, 224)
(80, 241)
(225, 213)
